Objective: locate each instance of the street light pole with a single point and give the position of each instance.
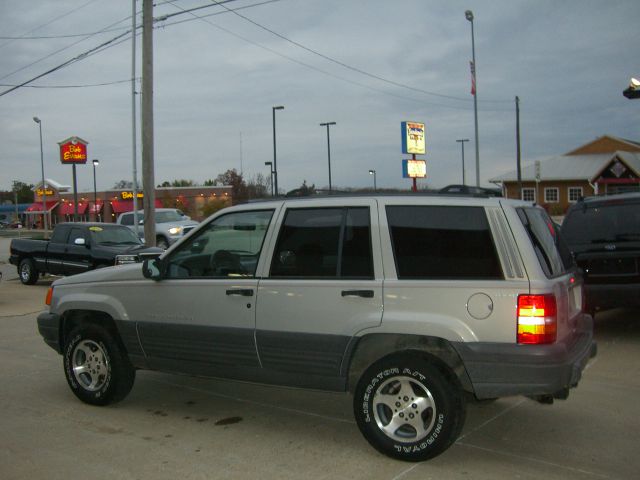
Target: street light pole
(44, 187)
(95, 162)
(469, 16)
(375, 186)
(461, 141)
(270, 165)
(275, 162)
(328, 124)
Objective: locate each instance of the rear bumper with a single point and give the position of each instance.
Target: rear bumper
(612, 296)
(500, 370)
(49, 328)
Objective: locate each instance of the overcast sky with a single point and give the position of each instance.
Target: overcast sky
(217, 79)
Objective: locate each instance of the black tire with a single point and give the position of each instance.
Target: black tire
(408, 408)
(96, 366)
(27, 272)
(162, 243)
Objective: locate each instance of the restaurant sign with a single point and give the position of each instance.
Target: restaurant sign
(73, 150)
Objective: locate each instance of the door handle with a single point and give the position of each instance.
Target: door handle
(358, 293)
(243, 292)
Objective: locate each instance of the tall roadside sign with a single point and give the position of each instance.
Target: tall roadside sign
(413, 143)
(73, 151)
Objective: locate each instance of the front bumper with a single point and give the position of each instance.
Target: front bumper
(500, 370)
(49, 328)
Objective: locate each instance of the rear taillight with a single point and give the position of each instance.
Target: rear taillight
(49, 295)
(537, 319)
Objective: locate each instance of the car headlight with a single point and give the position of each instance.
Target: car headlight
(124, 259)
(175, 230)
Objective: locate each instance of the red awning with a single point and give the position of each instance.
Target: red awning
(67, 208)
(121, 206)
(37, 207)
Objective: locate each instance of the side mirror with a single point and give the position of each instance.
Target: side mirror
(153, 268)
(80, 241)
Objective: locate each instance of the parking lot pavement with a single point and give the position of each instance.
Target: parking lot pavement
(174, 427)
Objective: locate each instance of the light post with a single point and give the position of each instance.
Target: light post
(461, 141)
(328, 124)
(44, 187)
(275, 162)
(469, 16)
(375, 186)
(270, 165)
(95, 162)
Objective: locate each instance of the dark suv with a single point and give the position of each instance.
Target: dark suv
(604, 235)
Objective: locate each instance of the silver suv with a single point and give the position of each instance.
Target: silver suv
(414, 304)
(171, 225)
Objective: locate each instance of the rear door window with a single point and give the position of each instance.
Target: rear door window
(442, 242)
(324, 243)
(551, 250)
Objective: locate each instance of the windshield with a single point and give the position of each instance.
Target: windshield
(113, 236)
(169, 216)
(603, 224)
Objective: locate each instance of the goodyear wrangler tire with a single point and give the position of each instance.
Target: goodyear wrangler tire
(97, 368)
(408, 408)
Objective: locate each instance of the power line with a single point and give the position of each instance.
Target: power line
(65, 64)
(312, 67)
(115, 82)
(66, 14)
(345, 65)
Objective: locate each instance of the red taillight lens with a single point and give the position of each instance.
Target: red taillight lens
(537, 319)
(49, 295)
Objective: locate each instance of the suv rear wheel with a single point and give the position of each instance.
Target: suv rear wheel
(408, 409)
(96, 366)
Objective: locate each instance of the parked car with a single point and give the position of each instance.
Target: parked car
(470, 190)
(75, 248)
(411, 303)
(604, 235)
(171, 225)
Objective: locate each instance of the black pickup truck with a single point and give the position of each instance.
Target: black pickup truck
(75, 248)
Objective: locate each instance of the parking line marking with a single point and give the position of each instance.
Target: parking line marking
(535, 460)
(484, 424)
(408, 470)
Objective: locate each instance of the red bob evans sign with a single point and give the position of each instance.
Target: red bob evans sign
(73, 150)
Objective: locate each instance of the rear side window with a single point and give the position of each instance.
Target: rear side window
(438, 242)
(60, 234)
(126, 219)
(324, 243)
(553, 255)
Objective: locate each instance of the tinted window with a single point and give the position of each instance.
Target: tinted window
(113, 236)
(442, 242)
(552, 253)
(229, 246)
(60, 234)
(126, 219)
(613, 222)
(324, 243)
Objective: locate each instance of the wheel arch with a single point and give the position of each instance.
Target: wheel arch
(375, 347)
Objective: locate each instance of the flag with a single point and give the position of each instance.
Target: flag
(473, 78)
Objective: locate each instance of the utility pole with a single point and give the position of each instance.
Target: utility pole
(134, 140)
(518, 159)
(148, 180)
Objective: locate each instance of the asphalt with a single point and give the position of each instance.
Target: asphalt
(176, 427)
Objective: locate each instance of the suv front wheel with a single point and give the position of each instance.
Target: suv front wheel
(408, 409)
(96, 366)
